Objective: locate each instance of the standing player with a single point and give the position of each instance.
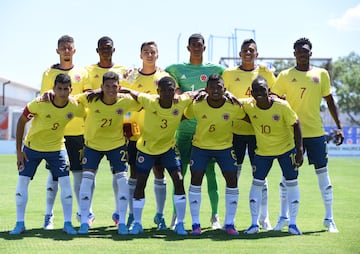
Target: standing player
(144, 80)
(190, 77)
(213, 140)
(278, 136)
(104, 137)
(74, 131)
(45, 140)
(156, 143)
(304, 87)
(238, 81)
(105, 49)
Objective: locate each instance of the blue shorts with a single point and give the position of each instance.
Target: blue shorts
(116, 157)
(57, 162)
(263, 165)
(170, 160)
(200, 158)
(316, 151)
(240, 143)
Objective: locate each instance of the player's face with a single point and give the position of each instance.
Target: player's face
(105, 49)
(166, 92)
(196, 48)
(215, 90)
(302, 54)
(149, 54)
(66, 50)
(62, 91)
(248, 53)
(260, 91)
(110, 88)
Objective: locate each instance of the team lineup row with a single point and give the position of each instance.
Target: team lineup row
(215, 130)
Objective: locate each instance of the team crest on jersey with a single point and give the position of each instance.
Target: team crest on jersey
(294, 80)
(276, 117)
(70, 115)
(140, 159)
(48, 116)
(77, 78)
(119, 111)
(175, 112)
(316, 80)
(139, 86)
(97, 111)
(204, 117)
(237, 79)
(203, 77)
(84, 160)
(226, 116)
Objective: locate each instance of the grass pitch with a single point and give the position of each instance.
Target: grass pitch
(103, 237)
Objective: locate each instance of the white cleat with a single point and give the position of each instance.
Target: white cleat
(282, 222)
(265, 224)
(253, 229)
(330, 224)
(49, 222)
(293, 229)
(215, 222)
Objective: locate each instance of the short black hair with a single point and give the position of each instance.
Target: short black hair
(104, 39)
(110, 75)
(166, 81)
(215, 77)
(248, 41)
(259, 80)
(65, 38)
(301, 42)
(62, 78)
(196, 37)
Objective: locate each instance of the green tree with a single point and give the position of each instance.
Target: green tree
(346, 80)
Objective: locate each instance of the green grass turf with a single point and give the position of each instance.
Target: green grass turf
(103, 237)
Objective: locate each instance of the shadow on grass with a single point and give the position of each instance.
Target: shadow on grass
(166, 235)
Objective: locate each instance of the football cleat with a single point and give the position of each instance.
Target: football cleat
(282, 222)
(215, 222)
(253, 229)
(84, 229)
(115, 218)
(68, 228)
(122, 229)
(330, 224)
(294, 230)
(265, 224)
(49, 221)
(179, 229)
(230, 230)
(18, 229)
(196, 229)
(136, 229)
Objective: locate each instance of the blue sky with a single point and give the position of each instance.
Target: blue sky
(30, 29)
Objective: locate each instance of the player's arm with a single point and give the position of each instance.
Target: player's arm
(133, 93)
(20, 129)
(339, 136)
(299, 157)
